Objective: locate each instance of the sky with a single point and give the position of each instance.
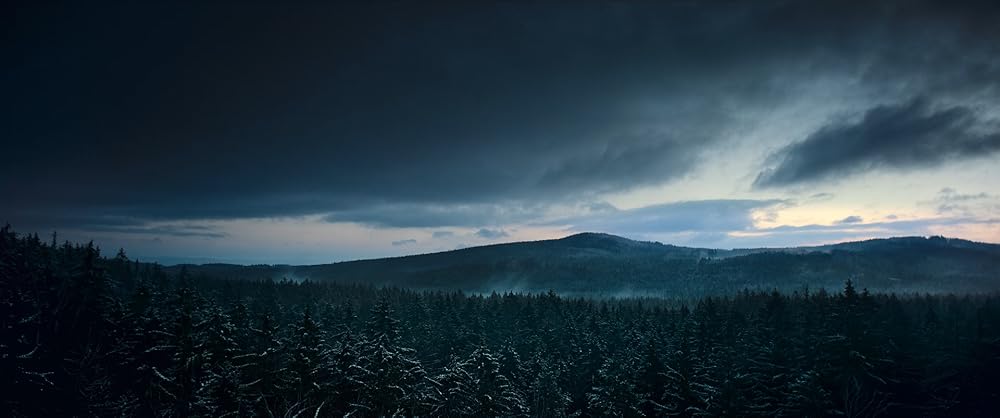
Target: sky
(249, 133)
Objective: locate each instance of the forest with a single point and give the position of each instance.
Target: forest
(91, 335)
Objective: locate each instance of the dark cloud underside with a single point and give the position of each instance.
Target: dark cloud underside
(906, 136)
(430, 216)
(406, 114)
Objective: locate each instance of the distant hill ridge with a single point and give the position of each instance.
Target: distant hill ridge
(604, 264)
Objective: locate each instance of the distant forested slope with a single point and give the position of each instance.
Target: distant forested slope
(86, 335)
(601, 264)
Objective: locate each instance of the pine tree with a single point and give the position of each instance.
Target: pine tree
(341, 377)
(475, 386)
(686, 394)
(547, 398)
(307, 356)
(179, 383)
(807, 398)
(614, 392)
(266, 368)
(390, 376)
(223, 391)
(652, 379)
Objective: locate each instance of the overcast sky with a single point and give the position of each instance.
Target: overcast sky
(316, 133)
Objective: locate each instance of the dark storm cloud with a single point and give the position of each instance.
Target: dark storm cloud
(624, 164)
(909, 135)
(45, 222)
(431, 216)
(169, 230)
(166, 111)
(403, 242)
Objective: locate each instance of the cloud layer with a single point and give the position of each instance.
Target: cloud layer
(706, 216)
(905, 136)
(481, 121)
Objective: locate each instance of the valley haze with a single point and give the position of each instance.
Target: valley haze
(597, 264)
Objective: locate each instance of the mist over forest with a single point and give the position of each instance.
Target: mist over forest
(87, 334)
(602, 265)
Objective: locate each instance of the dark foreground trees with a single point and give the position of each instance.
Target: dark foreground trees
(83, 335)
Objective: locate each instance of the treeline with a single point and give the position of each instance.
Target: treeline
(600, 265)
(85, 335)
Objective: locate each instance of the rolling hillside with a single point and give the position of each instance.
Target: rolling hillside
(601, 264)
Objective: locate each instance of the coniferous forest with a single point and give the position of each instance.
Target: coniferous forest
(90, 335)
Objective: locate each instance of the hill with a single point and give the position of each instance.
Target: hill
(602, 264)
